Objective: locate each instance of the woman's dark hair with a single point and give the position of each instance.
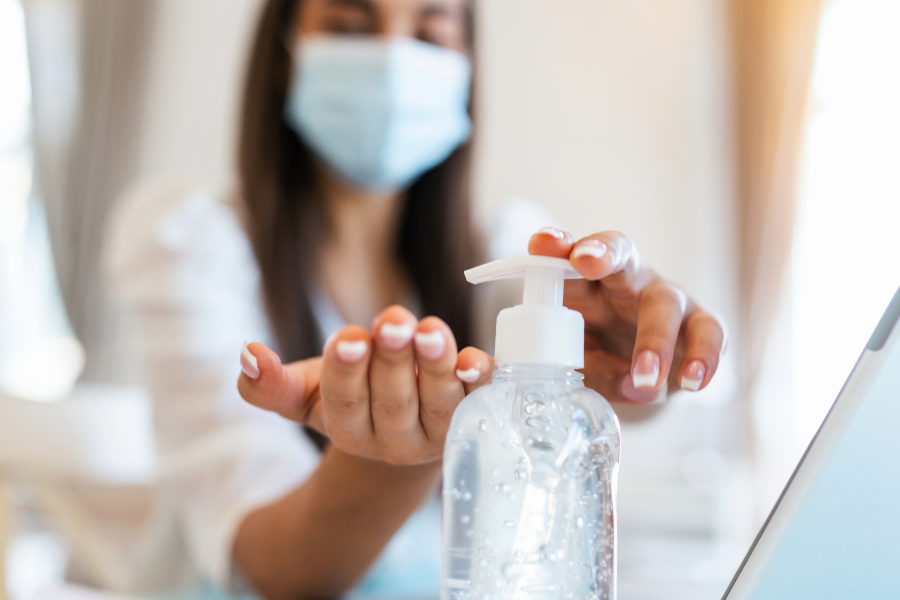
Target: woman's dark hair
(285, 216)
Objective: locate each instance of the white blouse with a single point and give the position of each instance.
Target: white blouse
(184, 275)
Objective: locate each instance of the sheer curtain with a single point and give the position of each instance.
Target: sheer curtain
(774, 45)
(87, 61)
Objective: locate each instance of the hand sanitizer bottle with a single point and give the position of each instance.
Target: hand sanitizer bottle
(530, 460)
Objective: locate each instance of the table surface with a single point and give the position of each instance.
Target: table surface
(650, 568)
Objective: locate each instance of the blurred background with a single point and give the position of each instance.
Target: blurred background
(749, 147)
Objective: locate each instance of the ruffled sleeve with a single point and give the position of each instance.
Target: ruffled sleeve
(185, 278)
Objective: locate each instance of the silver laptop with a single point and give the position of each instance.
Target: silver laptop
(835, 530)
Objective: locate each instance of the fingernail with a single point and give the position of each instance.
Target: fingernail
(693, 376)
(430, 345)
(646, 370)
(249, 364)
(642, 395)
(351, 352)
(394, 336)
(594, 248)
(558, 234)
(468, 375)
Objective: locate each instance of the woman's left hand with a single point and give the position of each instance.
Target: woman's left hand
(644, 336)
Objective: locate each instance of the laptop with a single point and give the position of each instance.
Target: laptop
(835, 530)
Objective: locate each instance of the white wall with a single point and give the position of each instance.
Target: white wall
(613, 115)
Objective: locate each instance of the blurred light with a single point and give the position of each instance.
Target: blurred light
(15, 187)
(857, 57)
(45, 371)
(15, 100)
(39, 358)
(34, 561)
(847, 251)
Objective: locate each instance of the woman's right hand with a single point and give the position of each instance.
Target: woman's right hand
(388, 396)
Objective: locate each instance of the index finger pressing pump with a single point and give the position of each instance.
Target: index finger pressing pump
(530, 460)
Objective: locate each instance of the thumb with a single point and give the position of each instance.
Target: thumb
(291, 391)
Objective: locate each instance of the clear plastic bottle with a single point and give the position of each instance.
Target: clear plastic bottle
(530, 460)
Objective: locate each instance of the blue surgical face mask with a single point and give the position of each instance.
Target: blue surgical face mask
(379, 112)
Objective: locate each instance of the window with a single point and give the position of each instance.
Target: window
(846, 263)
(39, 357)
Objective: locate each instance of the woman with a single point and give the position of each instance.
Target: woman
(353, 171)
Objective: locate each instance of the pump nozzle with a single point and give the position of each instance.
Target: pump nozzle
(540, 330)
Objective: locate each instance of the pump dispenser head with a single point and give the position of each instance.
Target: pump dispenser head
(540, 331)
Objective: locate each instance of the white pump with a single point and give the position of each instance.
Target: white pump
(541, 330)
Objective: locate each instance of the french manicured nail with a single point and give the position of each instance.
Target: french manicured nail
(430, 345)
(693, 376)
(468, 375)
(557, 233)
(646, 370)
(351, 352)
(394, 336)
(594, 248)
(249, 364)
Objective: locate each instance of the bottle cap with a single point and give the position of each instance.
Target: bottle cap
(540, 330)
